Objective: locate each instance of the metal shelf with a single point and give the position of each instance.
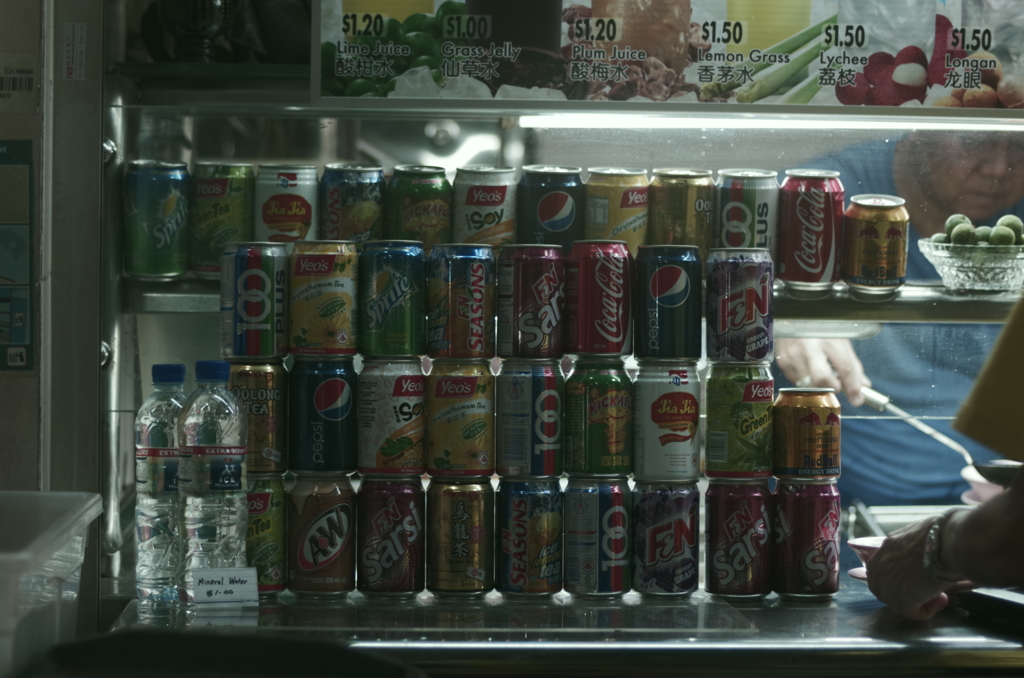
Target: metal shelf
(188, 295)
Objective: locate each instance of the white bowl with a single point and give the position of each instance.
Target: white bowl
(976, 267)
(983, 489)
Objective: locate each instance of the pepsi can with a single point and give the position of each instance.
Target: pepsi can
(529, 533)
(254, 301)
(529, 418)
(551, 203)
(597, 536)
(665, 531)
(667, 310)
(323, 435)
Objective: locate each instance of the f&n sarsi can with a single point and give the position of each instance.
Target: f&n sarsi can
(391, 551)
(265, 542)
(392, 295)
(875, 242)
(740, 311)
(262, 389)
(254, 301)
(321, 536)
(598, 543)
(599, 418)
(806, 549)
(460, 301)
(738, 539)
(739, 423)
(460, 419)
(666, 527)
(666, 421)
(392, 416)
(323, 298)
(529, 418)
(529, 536)
(531, 301)
(460, 532)
(806, 427)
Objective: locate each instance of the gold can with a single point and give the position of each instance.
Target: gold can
(323, 298)
(460, 532)
(876, 236)
(460, 419)
(806, 429)
(681, 209)
(262, 390)
(617, 206)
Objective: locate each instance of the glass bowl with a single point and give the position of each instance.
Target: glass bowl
(976, 267)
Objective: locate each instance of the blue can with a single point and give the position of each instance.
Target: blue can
(529, 396)
(323, 433)
(392, 297)
(460, 302)
(598, 544)
(529, 532)
(352, 203)
(254, 301)
(667, 308)
(550, 206)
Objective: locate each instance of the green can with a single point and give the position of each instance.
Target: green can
(392, 298)
(739, 424)
(265, 541)
(599, 418)
(221, 211)
(419, 205)
(156, 202)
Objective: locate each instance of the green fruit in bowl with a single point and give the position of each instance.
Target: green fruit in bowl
(983, 233)
(1002, 235)
(953, 220)
(430, 62)
(1014, 223)
(420, 23)
(963, 234)
(423, 44)
(940, 238)
(360, 87)
(449, 8)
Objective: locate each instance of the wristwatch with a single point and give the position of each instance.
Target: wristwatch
(933, 548)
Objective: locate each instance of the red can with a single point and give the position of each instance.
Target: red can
(531, 301)
(806, 549)
(390, 551)
(739, 539)
(599, 276)
(810, 233)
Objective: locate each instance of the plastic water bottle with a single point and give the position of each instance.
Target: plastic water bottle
(156, 482)
(212, 484)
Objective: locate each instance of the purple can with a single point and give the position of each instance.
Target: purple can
(738, 540)
(739, 305)
(806, 530)
(531, 301)
(391, 535)
(665, 528)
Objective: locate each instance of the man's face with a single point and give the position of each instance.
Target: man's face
(980, 174)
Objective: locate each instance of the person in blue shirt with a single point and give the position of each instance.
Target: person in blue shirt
(926, 369)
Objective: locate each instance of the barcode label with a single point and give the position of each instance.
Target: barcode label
(17, 83)
(718, 444)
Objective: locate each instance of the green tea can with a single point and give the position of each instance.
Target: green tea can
(738, 440)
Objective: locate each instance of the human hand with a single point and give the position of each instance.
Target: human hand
(898, 578)
(823, 363)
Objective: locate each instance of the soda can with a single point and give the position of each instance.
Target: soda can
(531, 301)
(265, 543)
(748, 208)
(597, 536)
(806, 529)
(617, 206)
(323, 431)
(286, 203)
(262, 389)
(599, 418)
(418, 205)
(392, 416)
(877, 233)
(529, 418)
(484, 205)
(323, 298)
(810, 232)
(806, 429)
(254, 301)
(221, 211)
(738, 539)
(460, 419)
(460, 301)
(391, 535)
(598, 293)
(739, 423)
(460, 529)
(667, 308)
(156, 213)
(666, 421)
(392, 297)
(352, 203)
(551, 202)
(740, 310)
(321, 536)
(681, 209)
(666, 528)
(529, 530)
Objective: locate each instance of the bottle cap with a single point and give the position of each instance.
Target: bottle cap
(168, 374)
(212, 370)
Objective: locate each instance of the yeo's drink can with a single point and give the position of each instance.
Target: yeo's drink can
(286, 203)
(810, 232)
(391, 552)
(266, 547)
(262, 389)
(529, 531)
(806, 529)
(598, 544)
(748, 208)
(740, 308)
(254, 301)
(681, 209)
(324, 300)
(739, 423)
(460, 419)
(666, 421)
(738, 539)
(666, 530)
(617, 206)
(877, 234)
(418, 205)
(156, 215)
(667, 308)
(392, 298)
(599, 418)
(460, 530)
(807, 423)
(551, 206)
(392, 416)
(221, 212)
(460, 301)
(323, 431)
(598, 294)
(321, 536)
(352, 203)
(531, 301)
(484, 205)
(529, 418)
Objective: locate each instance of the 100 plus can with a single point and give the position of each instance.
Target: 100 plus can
(667, 308)
(460, 419)
(748, 208)
(598, 544)
(529, 418)
(551, 203)
(599, 418)
(806, 423)
(681, 209)
(323, 431)
(392, 416)
(265, 542)
(810, 232)
(460, 529)
(617, 206)
(666, 421)
(352, 203)
(740, 310)
(391, 552)
(221, 212)
(156, 215)
(738, 539)
(460, 301)
(484, 205)
(286, 203)
(254, 301)
(392, 297)
(666, 526)
(876, 237)
(739, 423)
(262, 390)
(529, 531)
(418, 205)
(321, 536)
(531, 301)
(806, 529)
(323, 298)
(598, 297)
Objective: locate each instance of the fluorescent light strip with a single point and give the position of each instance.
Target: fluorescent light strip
(611, 121)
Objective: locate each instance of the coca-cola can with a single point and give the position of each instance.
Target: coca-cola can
(738, 539)
(599, 276)
(810, 233)
(391, 537)
(740, 312)
(806, 531)
(531, 301)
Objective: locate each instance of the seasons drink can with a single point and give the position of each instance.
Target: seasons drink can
(262, 389)
(529, 531)
(598, 289)
(265, 543)
(806, 529)
(323, 431)
(599, 418)
(810, 232)
(221, 211)
(598, 558)
(738, 539)
(484, 205)
(254, 301)
(321, 536)
(418, 205)
(460, 530)
(617, 206)
(352, 203)
(666, 421)
(391, 547)
(460, 301)
(460, 419)
(681, 209)
(531, 301)
(739, 421)
(392, 297)
(740, 311)
(666, 527)
(286, 203)
(551, 202)
(529, 418)
(156, 214)
(877, 233)
(667, 307)
(392, 416)
(806, 426)
(323, 298)
(748, 208)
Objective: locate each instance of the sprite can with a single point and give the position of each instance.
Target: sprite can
(222, 198)
(599, 418)
(392, 298)
(156, 196)
(739, 425)
(265, 538)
